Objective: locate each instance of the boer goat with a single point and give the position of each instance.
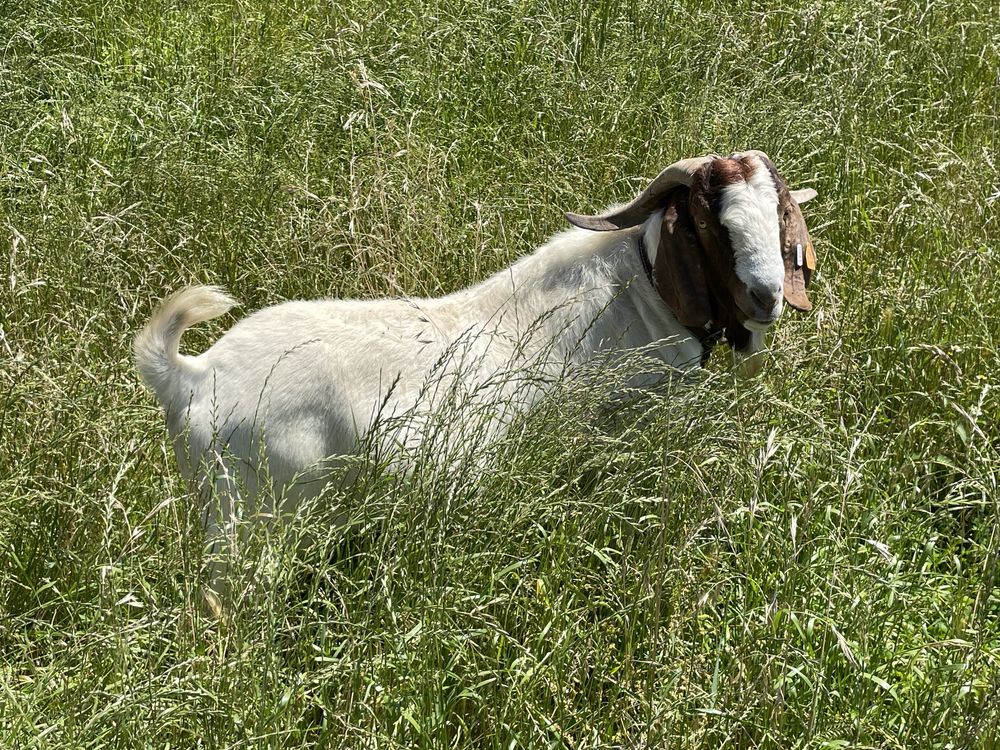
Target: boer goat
(706, 251)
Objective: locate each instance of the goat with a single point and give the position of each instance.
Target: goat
(705, 251)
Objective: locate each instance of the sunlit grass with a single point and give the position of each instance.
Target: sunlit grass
(805, 560)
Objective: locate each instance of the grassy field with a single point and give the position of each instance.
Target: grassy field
(808, 559)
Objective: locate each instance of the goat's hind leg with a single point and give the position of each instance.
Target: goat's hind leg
(224, 506)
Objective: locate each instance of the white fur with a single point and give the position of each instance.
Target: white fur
(748, 210)
(651, 229)
(302, 382)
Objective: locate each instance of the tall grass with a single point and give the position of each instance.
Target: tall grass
(808, 559)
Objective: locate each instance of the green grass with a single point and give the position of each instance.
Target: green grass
(805, 560)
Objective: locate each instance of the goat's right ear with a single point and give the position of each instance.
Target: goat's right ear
(679, 173)
(592, 223)
(679, 269)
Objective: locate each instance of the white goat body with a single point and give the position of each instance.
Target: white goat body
(312, 377)
(289, 389)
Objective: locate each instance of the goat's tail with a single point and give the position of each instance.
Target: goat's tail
(156, 346)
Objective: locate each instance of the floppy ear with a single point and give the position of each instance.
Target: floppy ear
(795, 289)
(636, 212)
(679, 270)
(798, 256)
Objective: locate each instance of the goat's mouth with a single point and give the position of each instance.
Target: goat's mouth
(760, 326)
(757, 315)
(758, 310)
(757, 323)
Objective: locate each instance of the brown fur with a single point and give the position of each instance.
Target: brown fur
(725, 172)
(724, 285)
(679, 272)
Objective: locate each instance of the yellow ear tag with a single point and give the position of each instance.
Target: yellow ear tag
(810, 257)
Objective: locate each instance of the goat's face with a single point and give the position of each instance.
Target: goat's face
(734, 204)
(733, 245)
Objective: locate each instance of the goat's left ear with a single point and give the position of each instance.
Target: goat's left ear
(797, 250)
(803, 195)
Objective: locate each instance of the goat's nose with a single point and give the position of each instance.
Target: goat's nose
(766, 295)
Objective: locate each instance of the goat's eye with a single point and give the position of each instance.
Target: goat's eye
(702, 223)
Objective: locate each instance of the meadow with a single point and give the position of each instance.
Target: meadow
(807, 559)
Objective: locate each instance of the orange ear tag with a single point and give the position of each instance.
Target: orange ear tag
(810, 257)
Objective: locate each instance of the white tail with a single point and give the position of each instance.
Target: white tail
(156, 346)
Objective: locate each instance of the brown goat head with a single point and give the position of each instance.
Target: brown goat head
(731, 243)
